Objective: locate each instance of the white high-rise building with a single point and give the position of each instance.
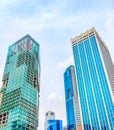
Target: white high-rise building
(49, 116)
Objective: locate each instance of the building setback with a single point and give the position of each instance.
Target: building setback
(95, 81)
(19, 95)
(72, 100)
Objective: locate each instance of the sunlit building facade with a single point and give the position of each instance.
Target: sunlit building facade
(19, 95)
(72, 100)
(95, 81)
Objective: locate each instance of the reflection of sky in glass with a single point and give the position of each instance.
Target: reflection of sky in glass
(26, 43)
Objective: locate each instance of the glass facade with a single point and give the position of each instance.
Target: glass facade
(71, 98)
(54, 125)
(19, 100)
(92, 83)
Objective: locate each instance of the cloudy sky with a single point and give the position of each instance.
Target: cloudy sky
(53, 23)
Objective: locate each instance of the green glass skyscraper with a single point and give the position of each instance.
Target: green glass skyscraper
(19, 95)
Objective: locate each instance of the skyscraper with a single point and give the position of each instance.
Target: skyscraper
(19, 95)
(95, 81)
(71, 98)
(49, 116)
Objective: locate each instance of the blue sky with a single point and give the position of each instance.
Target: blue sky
(53, 23)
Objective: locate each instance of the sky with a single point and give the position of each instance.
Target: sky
(52, 23)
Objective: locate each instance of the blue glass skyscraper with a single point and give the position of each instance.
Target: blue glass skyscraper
(95, 81)
(54, 125)
(71, 98)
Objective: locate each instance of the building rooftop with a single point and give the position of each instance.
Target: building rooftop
(85, 35)
(26, 36)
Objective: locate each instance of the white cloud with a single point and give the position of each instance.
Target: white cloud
(52, 96)
(6, 2)
(57, 104)
(53, 99)
(109, 31)
(63, 65)
(110, 22)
